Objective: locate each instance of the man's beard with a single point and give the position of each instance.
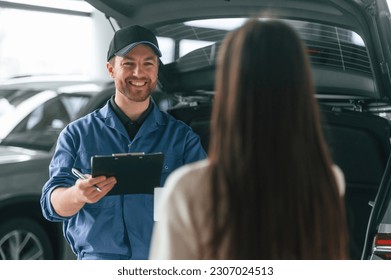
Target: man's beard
(135, 95)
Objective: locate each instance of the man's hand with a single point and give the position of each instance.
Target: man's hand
(86, 189)
(67, 201)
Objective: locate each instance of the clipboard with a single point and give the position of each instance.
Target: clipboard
(136, 173)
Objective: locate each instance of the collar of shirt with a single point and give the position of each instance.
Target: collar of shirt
(124, 118)
(131, 126)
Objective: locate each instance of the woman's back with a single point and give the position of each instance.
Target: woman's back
(267, 155)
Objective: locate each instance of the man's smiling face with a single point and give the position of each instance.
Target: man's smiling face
(135, 75)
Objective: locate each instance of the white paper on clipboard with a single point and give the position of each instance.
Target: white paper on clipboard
(156, 203)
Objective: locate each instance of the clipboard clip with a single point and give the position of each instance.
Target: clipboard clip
(128, 154)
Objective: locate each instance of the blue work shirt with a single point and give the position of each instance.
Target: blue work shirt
(118, 226)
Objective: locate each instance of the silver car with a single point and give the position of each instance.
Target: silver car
(37, 110)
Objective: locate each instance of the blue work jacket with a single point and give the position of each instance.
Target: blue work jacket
(118, 226)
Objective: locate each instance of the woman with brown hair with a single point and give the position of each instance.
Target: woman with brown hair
(269, 189)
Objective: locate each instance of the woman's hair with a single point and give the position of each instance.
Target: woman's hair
(267, 152)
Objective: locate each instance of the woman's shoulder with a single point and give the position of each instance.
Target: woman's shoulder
(188, 178)
(189, 173)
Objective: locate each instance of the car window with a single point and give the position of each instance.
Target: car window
(335, 46)
(330, 48)
(40, 128)
(186, 45)
(55, 30)
(10, 98)
(74, 104)
(167, 47)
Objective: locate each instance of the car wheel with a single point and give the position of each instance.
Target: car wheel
(24, 239)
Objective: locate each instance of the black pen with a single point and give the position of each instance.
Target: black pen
(80, 175)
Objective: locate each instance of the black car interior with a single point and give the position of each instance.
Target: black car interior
(359, 145)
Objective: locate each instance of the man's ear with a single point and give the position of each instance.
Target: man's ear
(110, 69)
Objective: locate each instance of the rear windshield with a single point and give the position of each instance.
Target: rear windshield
(327, 45)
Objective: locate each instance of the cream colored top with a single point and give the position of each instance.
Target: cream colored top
(180, 230)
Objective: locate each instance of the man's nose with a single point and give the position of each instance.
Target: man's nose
(138, 70)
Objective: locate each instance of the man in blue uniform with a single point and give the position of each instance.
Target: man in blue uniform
(116, 226)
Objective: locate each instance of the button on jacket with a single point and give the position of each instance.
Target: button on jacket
(116, 227)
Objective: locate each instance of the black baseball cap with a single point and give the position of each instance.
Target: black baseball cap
(127, 38)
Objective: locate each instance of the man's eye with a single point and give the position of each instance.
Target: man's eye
(127, 62)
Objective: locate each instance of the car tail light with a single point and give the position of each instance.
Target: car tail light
(382, 246)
